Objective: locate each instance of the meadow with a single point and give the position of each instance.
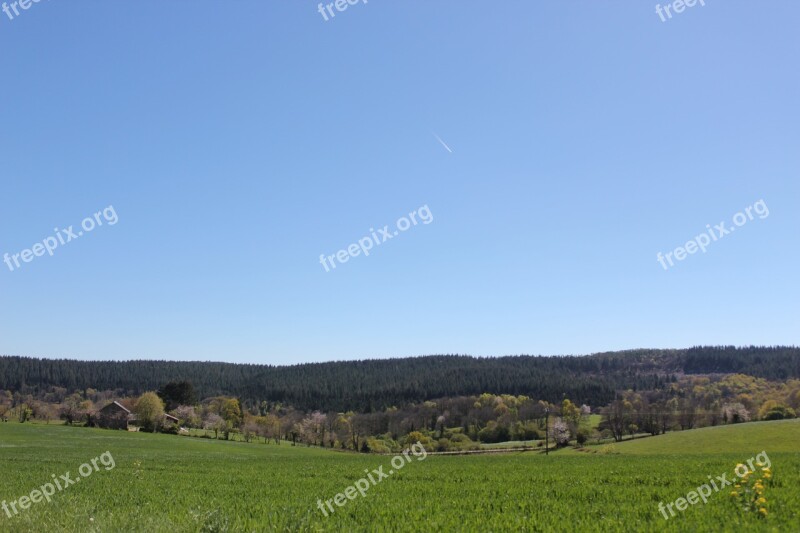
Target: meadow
(182, 484)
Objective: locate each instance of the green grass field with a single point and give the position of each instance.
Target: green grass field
(177, 484)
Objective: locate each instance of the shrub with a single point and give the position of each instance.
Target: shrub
(416, 436)
(377, 445)
(772, 410)
(608, 449)
(779, 413)
(526, 431)
(494, 432)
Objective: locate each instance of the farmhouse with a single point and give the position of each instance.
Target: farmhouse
(117, 416)
(114, 416)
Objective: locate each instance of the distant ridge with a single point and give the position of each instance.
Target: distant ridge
(375, 384)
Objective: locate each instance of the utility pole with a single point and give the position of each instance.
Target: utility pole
(546, 424)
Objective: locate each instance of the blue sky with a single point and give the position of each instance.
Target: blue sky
(238, 141)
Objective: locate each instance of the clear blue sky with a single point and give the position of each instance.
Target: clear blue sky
(238, 141)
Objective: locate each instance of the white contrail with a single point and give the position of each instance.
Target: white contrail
(443, 144)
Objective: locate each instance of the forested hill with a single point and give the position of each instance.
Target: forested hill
(376, 384)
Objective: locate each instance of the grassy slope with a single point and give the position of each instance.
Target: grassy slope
(753, 437)
(777, 436)
(176, 484)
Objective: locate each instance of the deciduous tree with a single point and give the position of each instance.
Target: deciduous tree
(149, 411)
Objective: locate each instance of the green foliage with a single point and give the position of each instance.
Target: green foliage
(177, 393)
(494, 432)
(416, 436)
(25, 413)
(773, 410)
(377, 445)
(378, 384)
(231, 411)
(460, 442)
(570, 412)
(75, 409)
(149, 411)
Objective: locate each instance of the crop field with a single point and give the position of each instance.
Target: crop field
(177, 484)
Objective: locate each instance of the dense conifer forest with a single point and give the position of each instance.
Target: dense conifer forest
(373, 385)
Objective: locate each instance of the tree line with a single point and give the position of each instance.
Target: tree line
(443, 424)
(374, 385)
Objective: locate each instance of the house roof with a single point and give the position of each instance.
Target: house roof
(118, 405)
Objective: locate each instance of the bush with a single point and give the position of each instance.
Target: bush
(414, 437)
(772, 410)
(526, 431)
(459, 442)
(779, 413)
(377, 445)
(391, 444)
(608, 449)
(494, 432)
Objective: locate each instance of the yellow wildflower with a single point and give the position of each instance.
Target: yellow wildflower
(763, 511)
